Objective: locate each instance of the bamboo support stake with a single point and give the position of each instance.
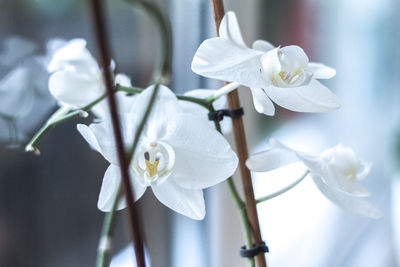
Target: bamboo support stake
(241, 146)
(105, 60)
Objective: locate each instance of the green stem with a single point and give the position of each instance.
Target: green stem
(60, 115)
(240, 205)
(105, 248)
(283, 190)
(136, 90)
(30, 147)
(161, 73)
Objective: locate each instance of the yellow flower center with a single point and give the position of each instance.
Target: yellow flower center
(154, 162)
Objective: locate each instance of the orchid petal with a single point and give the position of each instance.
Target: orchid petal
(74, 88)
(100, 136)
(16, 49)
(73, 55)
(262, 46)
(184, 201)
(331, 177)
(164, 108)
(109, 189)
(320, 71)
(89, 136)
(193, 108)
(292, 58)
(275, 157)
(222, 59)
(15, 93)
(125, 102)
(313, 97)
(351, 203)
(229, 29)
(203, 158)
(261, 101)
(271, 64)
(365, 169)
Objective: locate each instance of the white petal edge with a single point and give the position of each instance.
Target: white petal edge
(222, 59)
(293, 57)
(100, 138)
(184, 201)
(320, 71)
(165, 109)
(229, 29)
(350, 203)
(89, 136)
(313, 97)
(275, 157)
(72, 53)
(262, 103)
(109, 189)
(75, 89)
(203, 157)
(220, 103)
(262, 45)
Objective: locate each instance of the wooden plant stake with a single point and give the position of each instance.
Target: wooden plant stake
(241, 146)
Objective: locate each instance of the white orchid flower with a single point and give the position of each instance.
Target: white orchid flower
(76, 78)
(24, 97)
(335, 172)
(178, 155)
(283, 75)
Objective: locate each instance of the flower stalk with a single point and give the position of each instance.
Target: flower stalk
(283, 190)
(59, 117)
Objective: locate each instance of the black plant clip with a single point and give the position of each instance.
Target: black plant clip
(218, 115)
(252, 252)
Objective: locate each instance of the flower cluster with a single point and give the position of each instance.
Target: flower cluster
(179, 152)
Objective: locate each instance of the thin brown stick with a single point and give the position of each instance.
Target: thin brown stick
(105, 60)
(241, 146)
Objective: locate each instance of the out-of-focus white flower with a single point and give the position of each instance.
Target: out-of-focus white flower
(178, 155)
(335, 172)
(24, 97)
(283, 75)
(76, 78)
(16, 49)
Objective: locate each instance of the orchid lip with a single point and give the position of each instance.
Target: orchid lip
(154, 162)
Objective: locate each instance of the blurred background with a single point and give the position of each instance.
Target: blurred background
(48, 213)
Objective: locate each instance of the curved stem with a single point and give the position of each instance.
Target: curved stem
(136, 90)
(163, 72)
(283, 190)
(105, 248)
(61, 115)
